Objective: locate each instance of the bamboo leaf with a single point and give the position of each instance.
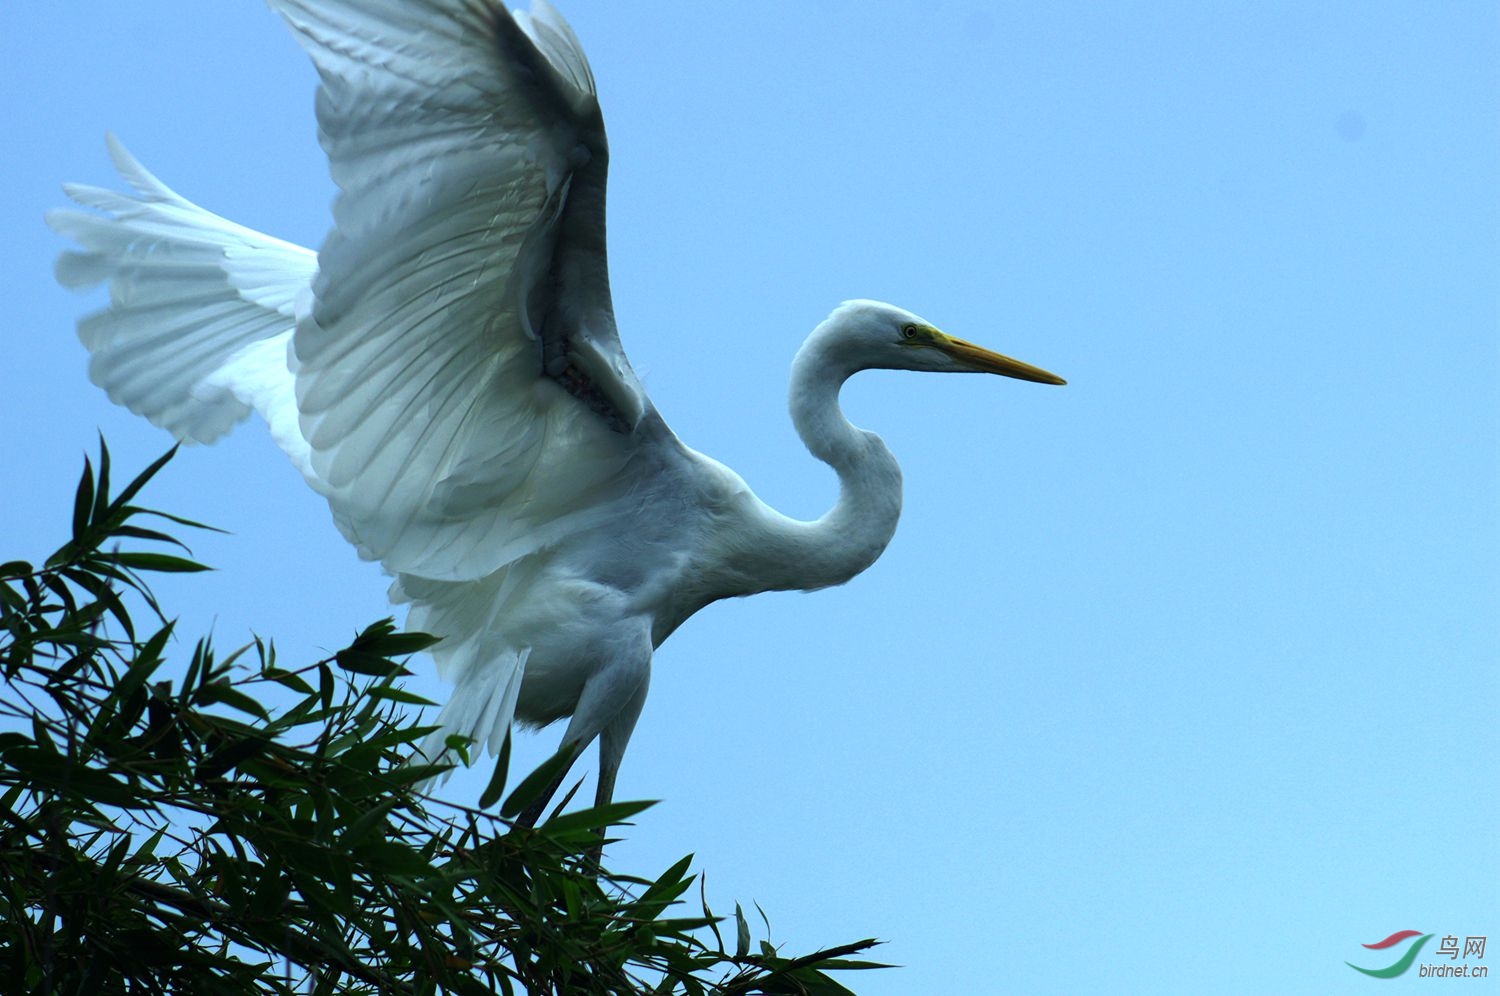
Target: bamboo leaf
(398, 695)
(216, 692)
(155, 535)
(83, 502)
(360, 662)
(496, 786)
(533, 785)
(101, 491)
(741, 933)
(597, 817)
(121, 503)
(161, 563)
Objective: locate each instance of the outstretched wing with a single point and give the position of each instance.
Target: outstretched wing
(459, 378)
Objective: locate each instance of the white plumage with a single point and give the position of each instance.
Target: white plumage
(447, 373)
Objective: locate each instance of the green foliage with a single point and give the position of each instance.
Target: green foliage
(200, 836)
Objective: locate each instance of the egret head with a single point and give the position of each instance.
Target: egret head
(876, 335)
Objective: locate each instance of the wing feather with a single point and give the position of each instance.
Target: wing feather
(189, 292)
(468, 243)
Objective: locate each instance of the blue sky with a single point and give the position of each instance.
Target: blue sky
(1181, 678)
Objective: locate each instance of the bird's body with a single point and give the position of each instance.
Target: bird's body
(447, 373)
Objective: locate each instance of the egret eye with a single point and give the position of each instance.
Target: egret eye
(908, 331)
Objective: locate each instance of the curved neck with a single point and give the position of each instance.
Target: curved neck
(791, 554)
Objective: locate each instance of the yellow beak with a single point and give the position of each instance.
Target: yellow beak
(984, 361)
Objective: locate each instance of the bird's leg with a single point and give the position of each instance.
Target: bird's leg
(613, 739)
(612, 743)
(611, 700)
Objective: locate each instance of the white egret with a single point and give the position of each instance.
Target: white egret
(446, 370)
